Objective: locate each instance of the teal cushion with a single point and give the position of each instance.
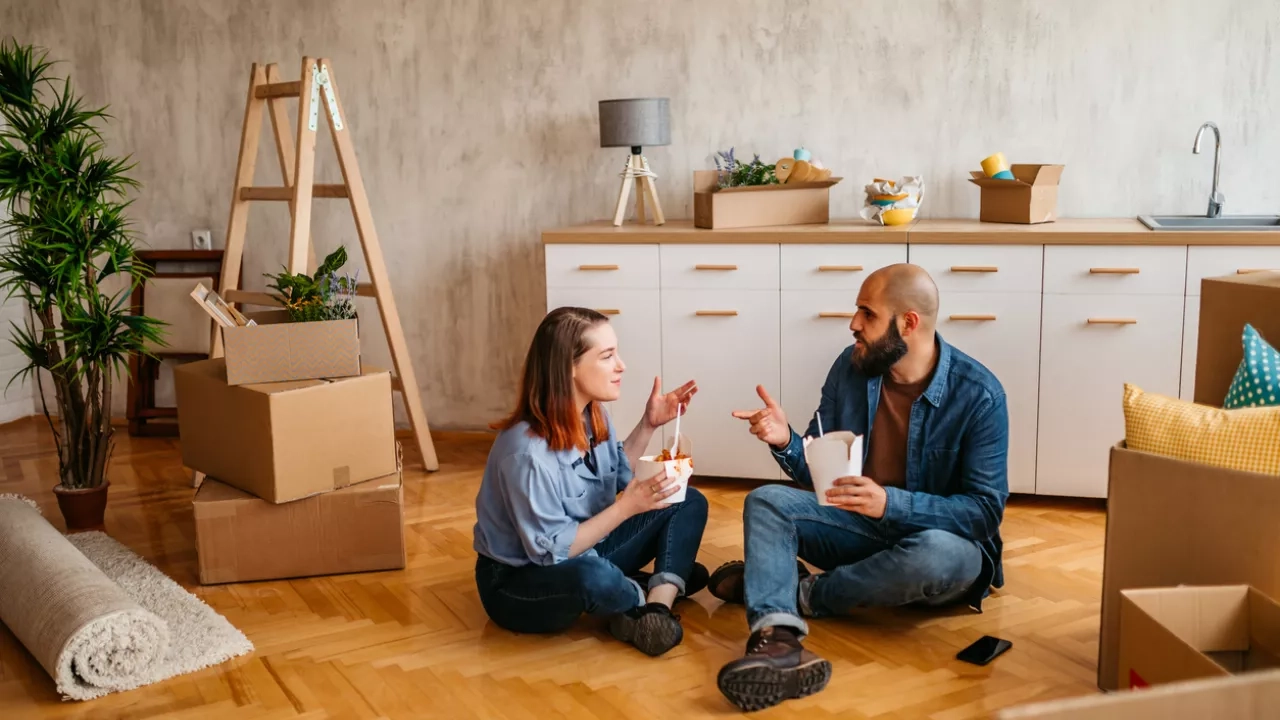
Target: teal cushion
(1257, 380)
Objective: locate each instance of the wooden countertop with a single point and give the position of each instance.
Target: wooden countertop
(1068, 231)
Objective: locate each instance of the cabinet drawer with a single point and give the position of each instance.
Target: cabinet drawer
(637, 321)
(720, 267)
(1203, 262)
(1002, 331)
(835, 267)
(815, 330)
(1083, 369)
(728, 353)
(1124, 269)
(982, 268)
(601, 266)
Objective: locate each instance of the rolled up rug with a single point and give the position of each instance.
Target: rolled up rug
(86, 632)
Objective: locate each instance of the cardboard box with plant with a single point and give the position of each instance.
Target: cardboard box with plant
(314, 334)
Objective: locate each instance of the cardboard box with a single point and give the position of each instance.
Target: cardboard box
(1226, 304)
(1172, 522)
(239, 537)
(1031, 197)
(1254, 696)
(285, 441)
(277, 350)
(759, 206)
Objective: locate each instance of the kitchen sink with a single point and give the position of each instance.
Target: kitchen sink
(1222, 222)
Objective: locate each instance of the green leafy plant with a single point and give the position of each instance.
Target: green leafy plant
(733, 173)
(66, 235)
(327, 296)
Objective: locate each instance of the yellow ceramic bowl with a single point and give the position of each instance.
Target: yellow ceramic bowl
(898, 216)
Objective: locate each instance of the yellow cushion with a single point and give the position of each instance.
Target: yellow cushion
(1246, 439)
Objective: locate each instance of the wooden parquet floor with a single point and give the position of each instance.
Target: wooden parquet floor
(416, 643)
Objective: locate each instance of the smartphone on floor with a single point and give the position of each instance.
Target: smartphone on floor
(986, 649)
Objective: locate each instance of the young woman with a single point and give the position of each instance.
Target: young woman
(562, 527)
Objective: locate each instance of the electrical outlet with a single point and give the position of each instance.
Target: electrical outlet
(201, 240)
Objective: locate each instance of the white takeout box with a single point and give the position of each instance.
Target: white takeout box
(831, 456)
(681, 470)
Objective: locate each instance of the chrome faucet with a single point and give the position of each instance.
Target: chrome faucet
(1216, 199)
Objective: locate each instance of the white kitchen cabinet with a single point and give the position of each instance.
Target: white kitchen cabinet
(637, 321)
(1002, 331)
(1083, 368)
(727, 340)
(815, 330)
(778, 315)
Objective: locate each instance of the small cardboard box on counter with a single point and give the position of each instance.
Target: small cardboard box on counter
(759, 206)
(1172, 522)
(285, 441)
(1171, 634)
(1253, 696)
(240, 538)
(277, 350)
(1031, 197)
(1226, 304)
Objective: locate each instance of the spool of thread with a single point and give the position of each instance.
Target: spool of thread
(996, 167)
(802, 154)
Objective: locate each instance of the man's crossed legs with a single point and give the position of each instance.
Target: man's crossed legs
(866, 563)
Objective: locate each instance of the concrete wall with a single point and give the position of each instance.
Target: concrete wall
(475, 122)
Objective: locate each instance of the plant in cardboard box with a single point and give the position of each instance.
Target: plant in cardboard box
(67, 243)
(326, 296)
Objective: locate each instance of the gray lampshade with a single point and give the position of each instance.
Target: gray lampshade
(635, 122)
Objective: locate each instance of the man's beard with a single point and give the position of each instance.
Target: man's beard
(876, 358)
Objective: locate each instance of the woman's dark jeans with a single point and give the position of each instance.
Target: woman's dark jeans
(549, 598)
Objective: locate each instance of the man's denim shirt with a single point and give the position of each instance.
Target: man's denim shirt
(957, 452)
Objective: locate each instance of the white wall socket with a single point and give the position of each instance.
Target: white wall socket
(201, 240)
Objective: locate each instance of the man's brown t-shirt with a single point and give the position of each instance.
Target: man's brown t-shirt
(887, 453)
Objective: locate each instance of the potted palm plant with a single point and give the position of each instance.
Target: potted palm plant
(67, 252)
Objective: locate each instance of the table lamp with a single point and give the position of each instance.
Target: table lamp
(634, 123)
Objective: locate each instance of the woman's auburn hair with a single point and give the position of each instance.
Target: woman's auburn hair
(546, 386)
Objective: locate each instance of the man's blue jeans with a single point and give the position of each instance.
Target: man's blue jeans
(865, 562)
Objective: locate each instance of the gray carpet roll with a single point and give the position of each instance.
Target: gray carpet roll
(80, 626)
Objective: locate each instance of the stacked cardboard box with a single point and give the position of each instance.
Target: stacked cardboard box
(1172, 522)
(303, 475)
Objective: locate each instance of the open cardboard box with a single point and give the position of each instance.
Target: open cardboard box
(1031, 197)
(240, 538)
(1171, 634)
(277, 350)
(1252, 696)
(285, 441)
(801, 203)
(1172, 522)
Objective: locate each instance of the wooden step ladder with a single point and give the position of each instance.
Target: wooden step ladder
(317, 93)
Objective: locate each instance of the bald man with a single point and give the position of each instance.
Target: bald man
(919, 527)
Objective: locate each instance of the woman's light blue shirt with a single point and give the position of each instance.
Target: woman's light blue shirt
(532, 499)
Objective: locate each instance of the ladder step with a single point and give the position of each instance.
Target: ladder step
(246, 297)
(285, 194)
(279, 90)
(365, 290)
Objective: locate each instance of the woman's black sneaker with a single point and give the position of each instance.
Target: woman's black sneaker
(696, 582)
(652, 628)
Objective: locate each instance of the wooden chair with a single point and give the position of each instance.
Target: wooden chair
(166, 295)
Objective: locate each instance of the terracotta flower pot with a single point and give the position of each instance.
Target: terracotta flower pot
(83, 508)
